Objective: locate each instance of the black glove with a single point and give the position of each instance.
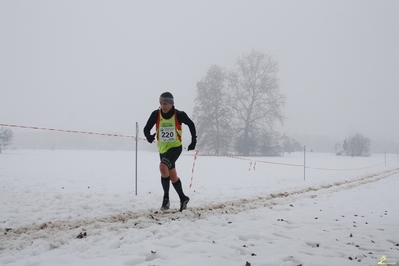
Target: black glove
(191, 147)
(151, 138)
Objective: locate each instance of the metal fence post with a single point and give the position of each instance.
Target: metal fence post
(304, 162)
(137, 138)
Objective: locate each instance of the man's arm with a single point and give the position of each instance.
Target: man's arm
(183, 118)
(152, 120)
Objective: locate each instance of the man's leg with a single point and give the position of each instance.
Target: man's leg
(165, 181)
(179, 189)
(168, 172)
(176, 183)
(163, 168)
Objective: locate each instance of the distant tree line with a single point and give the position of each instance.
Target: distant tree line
(236, 111)
(356, 145)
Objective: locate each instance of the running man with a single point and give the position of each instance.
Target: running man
(168, 121)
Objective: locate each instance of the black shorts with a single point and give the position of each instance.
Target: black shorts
(170, 157)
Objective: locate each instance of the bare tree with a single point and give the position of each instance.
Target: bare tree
(256, 100)
(357, 145)
(211, 112)
(6, 137)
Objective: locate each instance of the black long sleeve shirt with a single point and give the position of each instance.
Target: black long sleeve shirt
(182, 118)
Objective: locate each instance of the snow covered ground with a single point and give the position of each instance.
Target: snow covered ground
(81, 208)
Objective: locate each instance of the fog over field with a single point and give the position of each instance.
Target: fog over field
(101, 65)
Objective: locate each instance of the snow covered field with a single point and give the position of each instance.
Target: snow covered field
(80, 208)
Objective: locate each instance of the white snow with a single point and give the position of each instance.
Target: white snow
(80, 208)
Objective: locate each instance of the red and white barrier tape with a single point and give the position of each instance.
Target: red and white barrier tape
(288, 164)
(249, 159)
(70, 131)
(196, 153)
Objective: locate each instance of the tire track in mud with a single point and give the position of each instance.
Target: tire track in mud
(18, 238)
(281, 198)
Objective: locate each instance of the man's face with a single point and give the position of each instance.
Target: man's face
(165, 107)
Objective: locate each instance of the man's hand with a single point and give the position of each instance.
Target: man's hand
(191, 147)
(151, 138)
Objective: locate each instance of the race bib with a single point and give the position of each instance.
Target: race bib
(167, 134)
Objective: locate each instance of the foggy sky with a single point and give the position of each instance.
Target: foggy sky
(101, 65)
